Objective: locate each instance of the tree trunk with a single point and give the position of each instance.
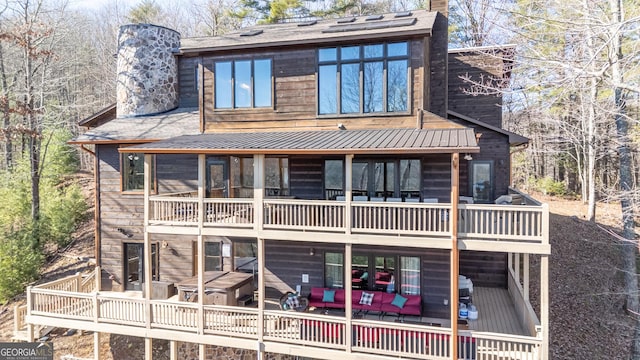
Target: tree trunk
(6, 117)
(630, 246)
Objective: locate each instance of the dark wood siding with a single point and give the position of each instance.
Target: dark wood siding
(437, 63)
(306, 177)
(436, 177)
(187, 77)
(123, 214)
(478, 67)
(484, 268)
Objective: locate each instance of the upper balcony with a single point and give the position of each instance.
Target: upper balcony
(423, 224)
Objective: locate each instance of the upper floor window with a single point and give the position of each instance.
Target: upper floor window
(363, 79)
(132, 172)
(243, 84)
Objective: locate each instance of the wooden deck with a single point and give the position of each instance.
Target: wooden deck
(496, 312)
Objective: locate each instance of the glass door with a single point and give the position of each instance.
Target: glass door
(482, 181)
(134, 265)
(218, 179)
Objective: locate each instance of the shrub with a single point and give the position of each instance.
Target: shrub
(548, 186)
(19, 263)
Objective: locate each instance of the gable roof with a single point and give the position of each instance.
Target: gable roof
(319, 141)
(103, 116)
(417, 22)
(514, 139)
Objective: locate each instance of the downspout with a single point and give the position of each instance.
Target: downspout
(96, 202)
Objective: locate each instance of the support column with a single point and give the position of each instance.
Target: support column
(258, 205)
(261, 297)
(544, 305)
(202, 352)
(148, 273)
(525, 277)
(258, 191)
(347, 295)
(173, 350)
(516, 268)
(148, 349)
(96, 345)
(202, 164)
(455, 256)
(348, 176)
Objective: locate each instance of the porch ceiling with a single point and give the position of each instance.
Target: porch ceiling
(319, 142)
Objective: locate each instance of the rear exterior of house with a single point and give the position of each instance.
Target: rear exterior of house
(336, 157)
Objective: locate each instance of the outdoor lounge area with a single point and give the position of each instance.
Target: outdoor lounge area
(317, 326)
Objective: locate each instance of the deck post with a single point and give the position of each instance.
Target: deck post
(347, 296)
(96, 345)
(525, 276)
(202, 352)
(148, 349)
(148, 275)
(201, 194)
(544, 305)
(455, 193)
(261, 289)
(258, 191)
(348, 175)
(516, 269)
(173, 350)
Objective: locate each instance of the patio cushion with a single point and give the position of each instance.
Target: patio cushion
(329, 296)
(399, 301)
(366, 298)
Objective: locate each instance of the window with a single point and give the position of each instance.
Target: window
(333, 179)
(375, 178)
(212, 257)
(242, 84)
(363, 79)
(334, 270)
(241, 177)
(276, 176)
(410, 275)
(132, 172)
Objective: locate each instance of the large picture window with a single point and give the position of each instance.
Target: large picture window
(243, 84)
(363, 79)
(132, 172)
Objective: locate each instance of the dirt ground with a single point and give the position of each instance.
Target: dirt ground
(587, 316)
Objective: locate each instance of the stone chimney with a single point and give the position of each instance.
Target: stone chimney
(147, 81)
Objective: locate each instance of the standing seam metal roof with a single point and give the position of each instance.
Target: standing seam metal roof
(327, 141)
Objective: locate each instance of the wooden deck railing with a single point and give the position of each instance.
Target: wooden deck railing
(323, 331)
(516, 223)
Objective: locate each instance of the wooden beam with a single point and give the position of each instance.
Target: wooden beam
(347, 299)
(544, 305)
(348, 176)
(455, 256)
(147, 254)
(148, 349)
(96, 345)
(202, 183)
(258, 191)
(173, 350)
(525, 279)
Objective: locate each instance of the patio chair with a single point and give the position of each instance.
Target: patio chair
(291, 301)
